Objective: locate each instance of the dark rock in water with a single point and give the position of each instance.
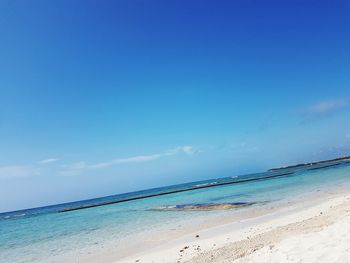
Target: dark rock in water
(203, 207)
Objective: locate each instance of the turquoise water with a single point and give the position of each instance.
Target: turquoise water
(42, 234)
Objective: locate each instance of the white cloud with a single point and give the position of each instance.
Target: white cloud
(138, 159)
(47, 161)
(17, 171)
(324, 107)
(78, 167)
(188, 150)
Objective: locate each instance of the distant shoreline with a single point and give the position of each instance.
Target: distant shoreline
(344, 158)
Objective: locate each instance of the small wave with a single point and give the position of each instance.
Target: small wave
(19, 215)
(165, 207)
(9, 217)
(200, 185)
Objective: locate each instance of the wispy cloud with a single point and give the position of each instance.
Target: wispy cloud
(189, 150)
(325, 107)
(240, 148)
(78, 167)
(47, 161)
(18, 171)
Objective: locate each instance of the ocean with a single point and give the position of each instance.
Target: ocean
(54, 233)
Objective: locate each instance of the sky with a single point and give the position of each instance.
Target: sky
(107, 97)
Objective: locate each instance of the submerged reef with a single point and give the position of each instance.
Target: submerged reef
(203, 207)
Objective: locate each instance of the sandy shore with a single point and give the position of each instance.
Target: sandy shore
(317, 230)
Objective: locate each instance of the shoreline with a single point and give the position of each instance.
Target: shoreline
(301, 165)
(223, 235)
(227, 242)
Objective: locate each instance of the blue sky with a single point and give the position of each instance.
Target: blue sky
(98, 98)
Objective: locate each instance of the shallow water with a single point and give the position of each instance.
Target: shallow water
(39, 235)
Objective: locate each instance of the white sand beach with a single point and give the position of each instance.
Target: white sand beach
(313, 231)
